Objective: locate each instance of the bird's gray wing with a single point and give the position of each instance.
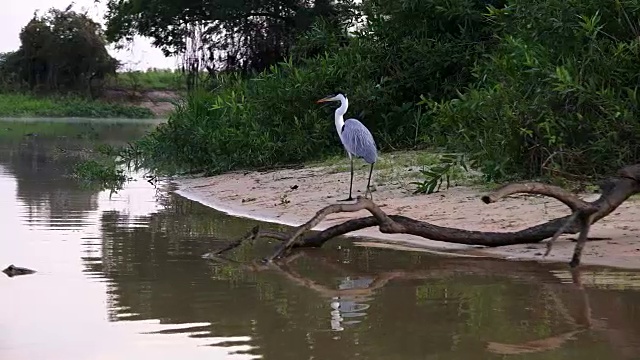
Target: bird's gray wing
(357, 139)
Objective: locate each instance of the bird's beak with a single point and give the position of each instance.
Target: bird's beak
(328, 98)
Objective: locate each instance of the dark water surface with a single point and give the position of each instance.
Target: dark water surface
(121, 277)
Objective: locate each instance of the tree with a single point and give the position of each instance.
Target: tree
(243, 35)
(60, 51)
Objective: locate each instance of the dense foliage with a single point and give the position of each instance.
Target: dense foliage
(383, 67)
(221, 34)
(62, 66)
(61, 51)
(526, 88)
(558, 95)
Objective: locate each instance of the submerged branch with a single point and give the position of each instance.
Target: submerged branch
(249, 236)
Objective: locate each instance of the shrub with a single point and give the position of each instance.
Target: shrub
(60, 51)
(558, 95)
(407, 49)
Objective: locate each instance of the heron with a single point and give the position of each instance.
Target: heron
(355, 138)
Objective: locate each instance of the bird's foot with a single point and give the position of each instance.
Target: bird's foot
(370, 195)
(347, 199)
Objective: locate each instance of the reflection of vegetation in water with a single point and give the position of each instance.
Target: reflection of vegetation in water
(72, 133)
(42, 156)
(447, 308)
(487, 304)
(97, 165)
(18, 131)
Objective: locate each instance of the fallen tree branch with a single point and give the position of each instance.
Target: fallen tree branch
(315, 220)
(556, 192)
(581, 209)
(614, 191)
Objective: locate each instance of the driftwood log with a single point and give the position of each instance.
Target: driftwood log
(614, 191)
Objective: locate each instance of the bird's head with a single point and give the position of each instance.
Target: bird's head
(337, 97)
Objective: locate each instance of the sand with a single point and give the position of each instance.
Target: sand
(291, 197)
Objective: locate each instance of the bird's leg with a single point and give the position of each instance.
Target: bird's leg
(351, 183)
(369, 183)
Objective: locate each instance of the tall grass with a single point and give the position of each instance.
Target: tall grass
(24, 105)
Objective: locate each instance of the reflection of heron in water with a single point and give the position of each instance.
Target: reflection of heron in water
(348, 307)
(336, 319)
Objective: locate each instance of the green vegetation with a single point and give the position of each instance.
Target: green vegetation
(151, 79)
(61, 67)
(558, 94)
(17, 105)
(524, 89)
(272, 118)
(60, 52)
(100, 174)
(230, 35)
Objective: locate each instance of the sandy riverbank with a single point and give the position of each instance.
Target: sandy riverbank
(273, 196)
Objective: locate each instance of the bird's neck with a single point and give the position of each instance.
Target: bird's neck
(339, 116)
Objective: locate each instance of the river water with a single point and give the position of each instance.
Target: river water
(121, 276)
